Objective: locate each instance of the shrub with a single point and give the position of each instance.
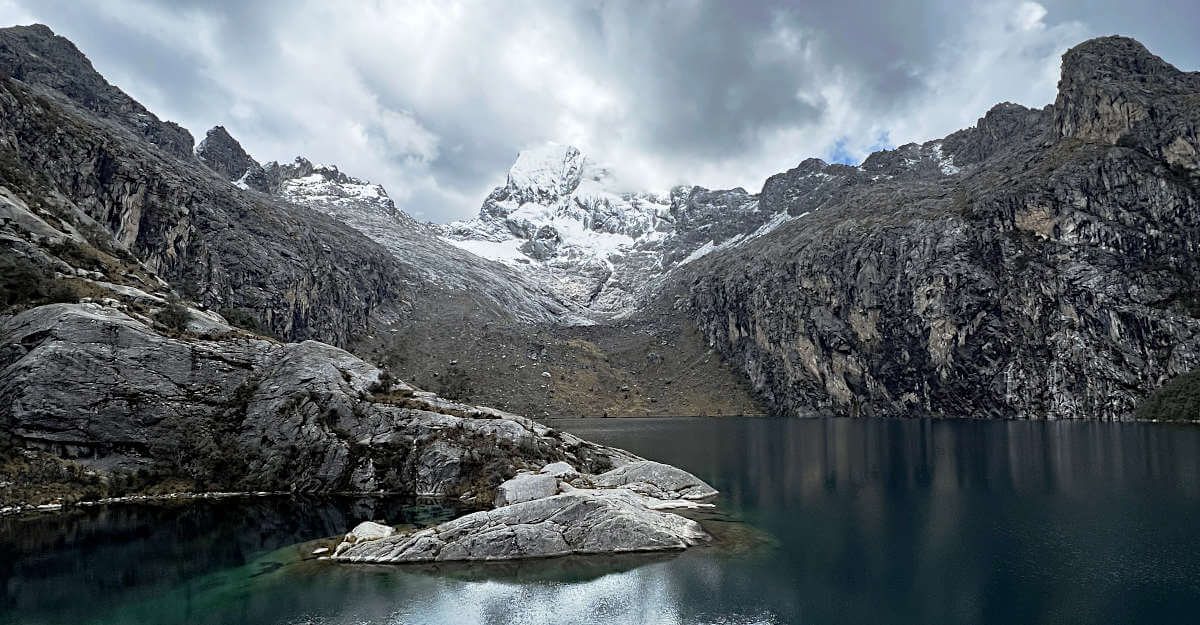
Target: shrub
(62, 293)
(454, 384)
(174, 315)
(384, 383)
(1177, 400)
(243, 319)
(23, 283)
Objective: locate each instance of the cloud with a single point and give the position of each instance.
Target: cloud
(434, 99)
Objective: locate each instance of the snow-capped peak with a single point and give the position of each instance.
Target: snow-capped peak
(571, 224)
(324, 186)
(547, 171)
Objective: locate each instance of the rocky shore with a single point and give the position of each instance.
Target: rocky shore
(556, 511)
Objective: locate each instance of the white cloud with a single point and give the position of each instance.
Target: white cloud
(12, 13)
(434, 99)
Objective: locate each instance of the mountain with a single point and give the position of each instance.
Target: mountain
(1040, 265)
(441, 272)
(568, 222)
(154, 311)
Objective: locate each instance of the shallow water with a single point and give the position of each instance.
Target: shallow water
(845, 521)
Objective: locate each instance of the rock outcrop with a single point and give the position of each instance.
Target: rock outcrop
(224, 155)
(526, 487)
(1038, 266)
(102, 388)
(540, 516)
(36, 56)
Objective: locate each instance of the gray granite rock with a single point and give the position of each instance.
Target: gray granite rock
(581, 522)
(1039, 265)
(560, 470)
(655, 479)
(370, 530)
(539, 515)
(95, 384)
(526, 487)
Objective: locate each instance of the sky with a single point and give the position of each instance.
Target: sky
(435, 99)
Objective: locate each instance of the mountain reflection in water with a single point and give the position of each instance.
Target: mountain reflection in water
(860, 521)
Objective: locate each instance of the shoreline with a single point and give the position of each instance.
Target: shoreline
(191, 496)
(182, 496)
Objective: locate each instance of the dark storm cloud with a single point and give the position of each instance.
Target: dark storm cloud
(434, 99)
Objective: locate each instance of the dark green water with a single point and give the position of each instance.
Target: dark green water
(856, 522)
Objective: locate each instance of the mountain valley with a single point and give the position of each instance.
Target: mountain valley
(1039, 265)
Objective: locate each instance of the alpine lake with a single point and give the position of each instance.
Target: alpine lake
(818, 521)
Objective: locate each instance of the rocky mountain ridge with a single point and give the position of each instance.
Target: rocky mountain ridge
(93, 209)
(367, 208)
(569, 223)
(1050, 277)
(1037, 265)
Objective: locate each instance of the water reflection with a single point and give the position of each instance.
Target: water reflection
(952, 521)
(870, 522)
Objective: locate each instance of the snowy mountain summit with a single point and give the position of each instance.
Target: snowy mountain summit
(429, 263)
(569, 221)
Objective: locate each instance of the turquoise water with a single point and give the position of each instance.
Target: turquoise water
(836, 521)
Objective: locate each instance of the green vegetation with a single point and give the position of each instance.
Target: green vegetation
(175, 315)
(24, 284)
(454, 384)
(1177, 400)
(243, 319)
(384, 384)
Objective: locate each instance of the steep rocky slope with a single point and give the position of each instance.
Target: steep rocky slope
(1039, 265)
(72, 145)
(447, 280)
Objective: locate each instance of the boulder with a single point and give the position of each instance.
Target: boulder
(541, 515)
(254, 414)
(370, 530)
(526, 487)
(561, 470)
(655, 479)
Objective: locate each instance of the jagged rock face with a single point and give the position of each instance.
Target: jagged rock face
(1114, 91)
(301, 274)
(567, 223)
(324, 186)
(267, 255)
(224, 155)
(97, 385)
(37, 57)
(1044, 269)
(438, 271)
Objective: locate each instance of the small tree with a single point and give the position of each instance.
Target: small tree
(174, 315)
(384, 384)
(454, 384)
(21, 281)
